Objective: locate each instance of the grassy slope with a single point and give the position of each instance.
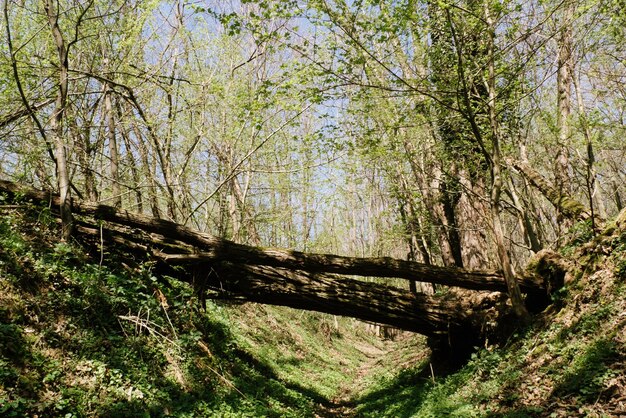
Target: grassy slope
(80, 339)
(571, 362)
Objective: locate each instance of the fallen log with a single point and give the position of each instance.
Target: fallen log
(566, 204)
(455, 322)
(213, 249)
(352, 266)
(325, 293)
(448, 317)
(221, 269)
(315, 291)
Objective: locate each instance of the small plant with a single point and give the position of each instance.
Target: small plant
(588, 373)
(620, 268)
(62, 251)
(579, 233)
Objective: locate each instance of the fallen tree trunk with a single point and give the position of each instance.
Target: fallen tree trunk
(320, 292)
(221, 269)
(352, 266)
(567, 205)
(209, 248)
(453, 320)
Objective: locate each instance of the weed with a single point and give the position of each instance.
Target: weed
(580, 233)
(587, 374)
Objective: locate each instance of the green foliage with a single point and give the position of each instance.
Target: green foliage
(587, 375)
(580, 233)
(490, 384)
(619, 255)
(620, 269)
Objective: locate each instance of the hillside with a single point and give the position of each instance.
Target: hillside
(570, 362)
(99, 335)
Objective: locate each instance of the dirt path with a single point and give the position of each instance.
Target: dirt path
(343, 404)
(379, 359)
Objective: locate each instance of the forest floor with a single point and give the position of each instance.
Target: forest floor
(81, 337)
(373, 358)
(570, 362)
(342, 405)
(388, 357)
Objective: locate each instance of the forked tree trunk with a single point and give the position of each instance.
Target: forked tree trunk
(56, 122)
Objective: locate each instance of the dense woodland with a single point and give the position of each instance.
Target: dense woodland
(363, 128)
(453, 134)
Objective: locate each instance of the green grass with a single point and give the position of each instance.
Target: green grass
(547, 372)
(317, 352)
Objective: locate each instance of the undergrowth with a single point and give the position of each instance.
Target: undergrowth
(84, 338)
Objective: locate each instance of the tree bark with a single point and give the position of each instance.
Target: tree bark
(496, 179)
(594, 191)
(149, 172)
(530, 236)
(564, 88)
(427, 315)
(56, 122)
(131, 162)
(449, 198)
(226, 270)
(84, 152)
(456, 323)
(569, 207)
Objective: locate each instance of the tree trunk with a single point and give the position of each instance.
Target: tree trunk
(564, 86)
(449, 198)
(113, 149)
(56, 122)
(496, 180)
(84, 159)
(232, 271)
(593, 188)
(131, 162)
(149, 172)
(455, 322)
(427, 315)
(208, 248)
(530, 236)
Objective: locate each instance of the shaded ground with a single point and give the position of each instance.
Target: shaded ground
(381, 360)
(343, 404)
(82, 339)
